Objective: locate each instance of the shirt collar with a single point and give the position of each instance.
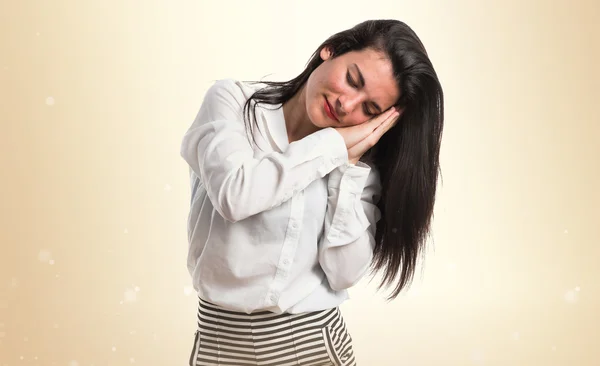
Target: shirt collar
(275, 123)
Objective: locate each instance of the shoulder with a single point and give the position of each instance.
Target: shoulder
(224, 100)
(230, 90)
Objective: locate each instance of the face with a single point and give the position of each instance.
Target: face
(350, 89)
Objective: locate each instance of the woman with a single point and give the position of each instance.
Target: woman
(300, 187)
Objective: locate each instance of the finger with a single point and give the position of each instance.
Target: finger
(362, 131)
(394, 121)
(378, 120)
(387, 125)
(370, 140)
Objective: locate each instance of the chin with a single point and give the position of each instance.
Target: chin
(316, 119)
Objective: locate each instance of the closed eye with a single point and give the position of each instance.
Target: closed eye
(354, 85)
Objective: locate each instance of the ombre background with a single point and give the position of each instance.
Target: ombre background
(95, 97)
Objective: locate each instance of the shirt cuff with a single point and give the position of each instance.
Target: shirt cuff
(333, 151)
(349, 222)
(349, 177)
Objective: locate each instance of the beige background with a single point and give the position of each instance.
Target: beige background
(95, 97)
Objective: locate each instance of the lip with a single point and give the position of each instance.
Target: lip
(329, 111)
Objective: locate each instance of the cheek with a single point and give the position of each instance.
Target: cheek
(330, 79)
(338, 84)
(356, 118)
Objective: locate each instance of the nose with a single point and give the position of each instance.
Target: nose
(347, 102)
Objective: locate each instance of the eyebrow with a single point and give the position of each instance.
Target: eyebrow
(362, 85)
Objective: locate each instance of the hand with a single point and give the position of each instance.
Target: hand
(361, 138)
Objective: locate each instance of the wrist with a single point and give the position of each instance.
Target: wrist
(353, 161)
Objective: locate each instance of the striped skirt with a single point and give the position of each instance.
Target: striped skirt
(226, 337)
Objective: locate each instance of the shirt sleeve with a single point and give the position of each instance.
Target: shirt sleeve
(346, 248)
(217, 149)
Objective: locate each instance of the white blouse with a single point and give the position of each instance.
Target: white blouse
(287, 228)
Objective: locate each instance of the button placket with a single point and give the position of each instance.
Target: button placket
(288, 249)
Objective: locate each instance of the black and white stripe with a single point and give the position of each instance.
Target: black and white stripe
(226, 337)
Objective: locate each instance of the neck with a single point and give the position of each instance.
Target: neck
(297, 123)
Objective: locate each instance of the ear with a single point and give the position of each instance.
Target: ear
(325, 53)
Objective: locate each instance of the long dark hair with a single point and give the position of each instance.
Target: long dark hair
(407, 156)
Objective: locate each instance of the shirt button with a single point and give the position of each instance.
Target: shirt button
(286, 261)
(274, 298)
